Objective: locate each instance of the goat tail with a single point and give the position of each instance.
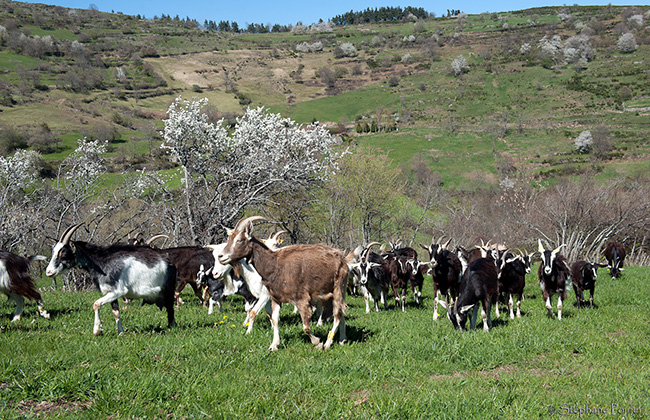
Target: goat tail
(25, 287)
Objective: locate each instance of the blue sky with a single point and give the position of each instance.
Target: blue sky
(292, 11)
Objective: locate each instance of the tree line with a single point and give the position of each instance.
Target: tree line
(382, 14)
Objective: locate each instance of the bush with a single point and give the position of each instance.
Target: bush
(627, 43)
(584, 141)
(459, 65)
(11, 140)
(348, 49)
(327, 76)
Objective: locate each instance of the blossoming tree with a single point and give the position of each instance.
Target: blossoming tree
(225, 172)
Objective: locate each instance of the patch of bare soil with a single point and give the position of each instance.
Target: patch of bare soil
(51, 407)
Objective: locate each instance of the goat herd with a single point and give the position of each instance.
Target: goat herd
(307, 276)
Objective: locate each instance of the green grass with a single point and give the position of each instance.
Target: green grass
(396, 365)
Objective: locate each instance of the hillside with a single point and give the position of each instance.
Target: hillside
(514, 107)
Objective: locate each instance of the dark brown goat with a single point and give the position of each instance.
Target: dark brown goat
(17, 284)
(615, 254)
(299, 274)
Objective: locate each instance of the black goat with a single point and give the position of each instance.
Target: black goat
(446, 271)
(136, 272)
(583, 277)
(479, 285)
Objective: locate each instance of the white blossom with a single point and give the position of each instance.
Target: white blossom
(263, 155)
(563, 15)
(309, 47)
(636, 21)
(549, 48)
(20, 170)
(86, 163)
(627, 43)
(459, 65)
(348, 49)
(322, 27)
(584, 141)
(577, 48)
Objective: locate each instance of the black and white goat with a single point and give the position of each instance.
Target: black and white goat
(479, 286)
(247, 274)
(17, 283)
(446, 271)
(136, 272)
(615, 254)
(583, 277)
(554, 273)
(374, 277)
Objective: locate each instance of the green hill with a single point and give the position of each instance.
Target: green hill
(517, 104)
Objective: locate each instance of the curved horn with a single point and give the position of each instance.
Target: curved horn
(65, 237)
(372, 243)
(248, 220)
(446, 244)
(153, 238)
(277, 234)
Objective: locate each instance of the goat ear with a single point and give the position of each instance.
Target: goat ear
(466, 308)
(540, 248)
(229, 231)
(556, 250)
(424, 247)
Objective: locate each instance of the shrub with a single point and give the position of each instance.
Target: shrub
(584, 142)
(348, 49)
(309, 47)
(11, 140)
(627, 43)
(459, 65)
(327, 76)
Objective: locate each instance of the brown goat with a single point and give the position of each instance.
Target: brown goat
(299, 274)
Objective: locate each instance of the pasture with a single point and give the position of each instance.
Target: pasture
(396, 365)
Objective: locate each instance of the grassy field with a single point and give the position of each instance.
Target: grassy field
(396, 365)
